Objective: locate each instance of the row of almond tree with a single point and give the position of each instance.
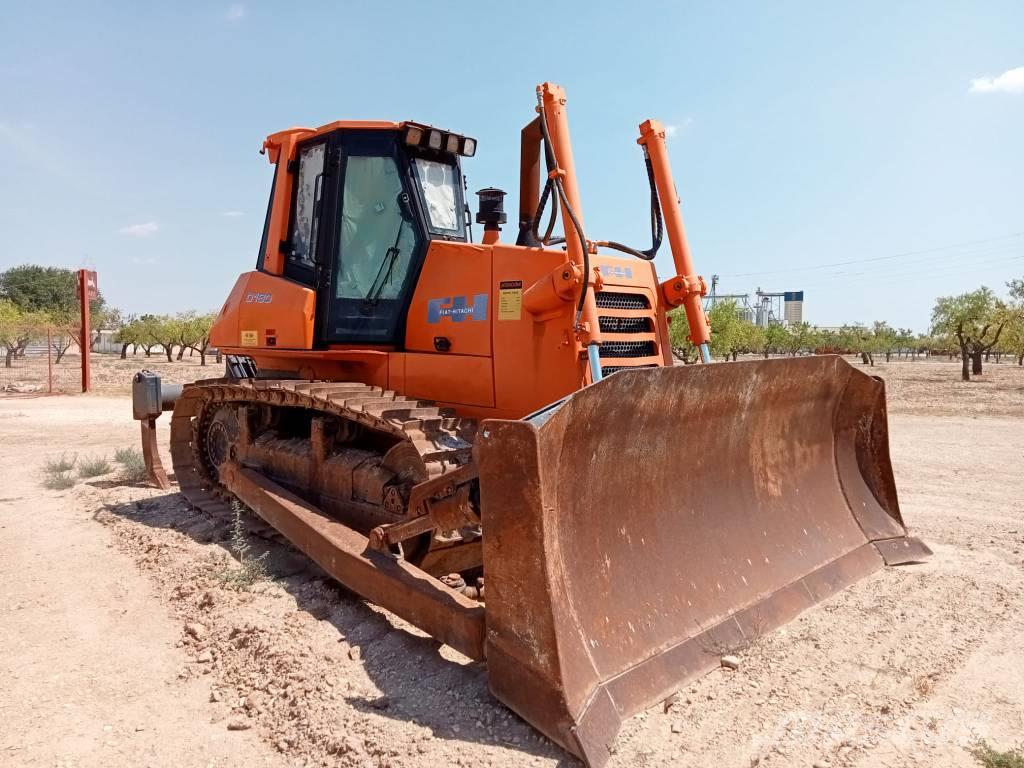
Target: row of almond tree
(184, 332)
(974, 326)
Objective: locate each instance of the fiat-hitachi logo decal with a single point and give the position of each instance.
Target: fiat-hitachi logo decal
(617, 271)
(458, 309)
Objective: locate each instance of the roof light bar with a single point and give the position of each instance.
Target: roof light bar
(439, 141)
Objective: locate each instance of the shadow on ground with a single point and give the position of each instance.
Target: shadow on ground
(416, 683)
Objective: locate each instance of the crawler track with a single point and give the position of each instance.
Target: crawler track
(439, 439)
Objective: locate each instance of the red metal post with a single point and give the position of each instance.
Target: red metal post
(49, 360)
(83, 341)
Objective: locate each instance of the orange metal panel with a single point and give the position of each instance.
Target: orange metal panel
(396, 372)
(363, 125)
(536, 361)
(450, 379)
(265, 312)
(452, 300)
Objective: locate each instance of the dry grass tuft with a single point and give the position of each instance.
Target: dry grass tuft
(93, 466)
(59, 465)
(133, 465)
(58, 481)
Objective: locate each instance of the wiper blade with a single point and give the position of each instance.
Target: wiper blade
(383, 277)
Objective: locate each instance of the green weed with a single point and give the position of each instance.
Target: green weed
(250, 570)
(989, 757)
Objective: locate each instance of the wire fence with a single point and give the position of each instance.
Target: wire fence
(38, 372)
(48, 364)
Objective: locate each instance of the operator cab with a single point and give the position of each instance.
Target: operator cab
(365, 204)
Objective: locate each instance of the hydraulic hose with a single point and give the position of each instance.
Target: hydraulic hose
(657, 223)
(549, 163)
(542, 203)
(549, 156)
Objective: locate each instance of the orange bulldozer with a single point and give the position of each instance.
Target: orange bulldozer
(490, 439)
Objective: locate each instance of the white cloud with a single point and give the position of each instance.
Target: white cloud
(235, 12)
(672, 129)
(1011, 81)
(232, 214)
(146, 229)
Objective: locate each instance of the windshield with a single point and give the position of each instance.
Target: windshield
(437, 180)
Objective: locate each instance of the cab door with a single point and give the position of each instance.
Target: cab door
(377, 243)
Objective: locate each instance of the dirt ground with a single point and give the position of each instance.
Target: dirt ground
(122, 642)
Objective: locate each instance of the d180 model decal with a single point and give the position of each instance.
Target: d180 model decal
(458, 309)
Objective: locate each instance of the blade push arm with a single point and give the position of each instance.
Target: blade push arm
(687, 287)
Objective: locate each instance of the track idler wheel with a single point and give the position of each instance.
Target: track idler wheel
(219, 437)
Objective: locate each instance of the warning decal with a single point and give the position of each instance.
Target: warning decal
(250, 339)
(510, 299)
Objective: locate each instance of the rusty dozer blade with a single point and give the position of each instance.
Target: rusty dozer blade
(657, 518)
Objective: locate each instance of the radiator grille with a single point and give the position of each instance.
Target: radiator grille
(624, 324)
(608, 370)
(628, 349)
(616, 300)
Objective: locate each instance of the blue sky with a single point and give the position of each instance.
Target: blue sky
(882, 138)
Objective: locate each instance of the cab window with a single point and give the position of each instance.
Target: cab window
(309, 189)
(378, 233)
(440, 194)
